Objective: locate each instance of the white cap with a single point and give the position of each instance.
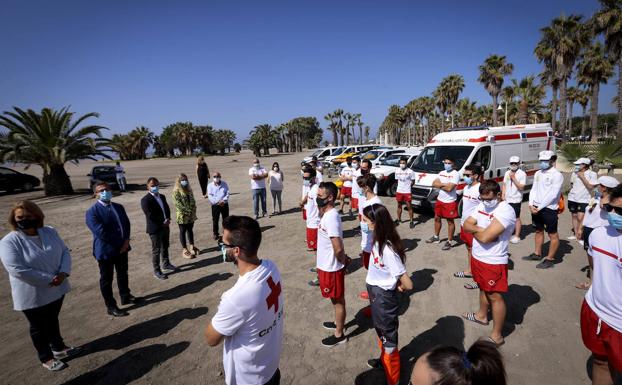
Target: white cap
(545, 155)
(608, 181)
(583, 161)
(514, 159)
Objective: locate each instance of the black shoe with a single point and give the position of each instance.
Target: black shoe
(315, 282)
(396, 222)
(170, 267)
(329, 325)
(334, 341)
(412, 224)
(374, 363)
(160, 275)
(313, 269)
(532, 257)
(130, 299)
(116, 312)
(546, 264)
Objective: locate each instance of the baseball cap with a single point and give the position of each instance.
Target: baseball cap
(514, 159)
(608, 181)
(545, 155)
(583, 161)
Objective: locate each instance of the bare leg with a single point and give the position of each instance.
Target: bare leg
(539, 241)
(498, 315)
(451, 228)
(553, 246)
(468, 271)
(340, 315)
(580, 216)
(482, 313)
(601, 373)
(575, 223)
(517, 228)
(437, 225)
(399, 211)
(410, 210)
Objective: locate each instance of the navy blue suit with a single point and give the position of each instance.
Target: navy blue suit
(110, 232)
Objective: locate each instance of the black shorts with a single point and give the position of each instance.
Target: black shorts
(384, 314)
(586, 236)
(545, 219)
(576, 207)
(516, 207)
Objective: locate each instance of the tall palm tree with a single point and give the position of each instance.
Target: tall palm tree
(440, 101)
(593, 69)
(51, 138)
(451, 87)
(530, 97)
(338, 115)
(547, 77)
(583, 98)
(491, 75)
(608, 21)
(572, 94)
(332, 126)
(141, 138)
(507, 96)
(467, 112)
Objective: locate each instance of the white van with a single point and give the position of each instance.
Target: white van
(320, 154)
(492, 147)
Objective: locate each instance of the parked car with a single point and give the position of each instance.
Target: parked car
(11, 180)
(102, 174)
(385, 171)
(320, 154)
(378, 155)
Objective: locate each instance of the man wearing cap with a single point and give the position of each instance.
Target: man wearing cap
(583, 180)
(543, 204)
(512, 191)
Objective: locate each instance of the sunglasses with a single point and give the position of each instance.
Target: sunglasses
(609, 208)
(467, 175)
(513, 164)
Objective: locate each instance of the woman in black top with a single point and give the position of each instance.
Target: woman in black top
(202, 174)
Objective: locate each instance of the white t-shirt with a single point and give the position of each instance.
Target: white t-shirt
(259, 183)
(250, 316)
(384, 271)
(546, 189)
(579, 193)
(330, 227)
(356, 190)
(347, 171)
(452, 176)
(118, 171)
(313, 213)
(368, 238)
(363, 198)
(512, 193)
(319, 178)
(604, 297)
(596, 218)
(276, 180)
(470, 201)
(494, 253)
(404, 180)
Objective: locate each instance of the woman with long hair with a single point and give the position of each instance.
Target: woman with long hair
(186, 214)
(386, 275)
(202, 175)
(275, 181)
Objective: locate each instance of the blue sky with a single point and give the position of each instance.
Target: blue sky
(237, 64)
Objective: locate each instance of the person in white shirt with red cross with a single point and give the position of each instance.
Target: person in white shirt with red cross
(446, 205)
(308, 202)
(470, 200)
(601, 313)
(250, 315)
(491, 224)
(514, 182)
(405, 178)
(346, 175)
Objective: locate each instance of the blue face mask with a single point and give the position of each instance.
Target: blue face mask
(183, 183)
(364, 227)
(468, 180)
(545, 165)
(154, 189)
(105, 196)
(306, 183)
(615, 220)
(448, 167)
(597, 193)
(223, 250)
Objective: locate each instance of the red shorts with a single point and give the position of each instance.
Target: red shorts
(346, 191)
(304, 214)
(355, 203)
(490, 278)
(403, 197)
(467, 238)
(311, 238)
(332, 283)
(446, 210)
(365, 255)
(606, 345)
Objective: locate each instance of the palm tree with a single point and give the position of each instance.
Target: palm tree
(50, 139)
(583, 99)
(264, 136)
(141, 138)
(338, 116)
(530, 97)
(330, 117)
(491, 75)
(547, 77)
(451, 87)
(594, 69)
(608, 21)
(572, 93)
(467, 112)
(507, 96)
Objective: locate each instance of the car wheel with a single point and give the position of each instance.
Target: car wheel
(392, 190)
(28, 186)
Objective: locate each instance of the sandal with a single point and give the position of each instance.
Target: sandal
(471, 286)
(67, 352)
(497, 344)
(186, 254)
(54, 365)
(471, 317)
(583, 285)
(462, 274)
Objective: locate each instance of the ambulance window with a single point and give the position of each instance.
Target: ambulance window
(482, 156)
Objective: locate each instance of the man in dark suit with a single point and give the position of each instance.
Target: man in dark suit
(111, 242)
(158, 216)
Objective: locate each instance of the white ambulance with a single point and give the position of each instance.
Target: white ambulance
(492, 147)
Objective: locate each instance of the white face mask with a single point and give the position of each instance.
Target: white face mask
(216, 180)
(403, 166)
(491, 204)
(514, 167)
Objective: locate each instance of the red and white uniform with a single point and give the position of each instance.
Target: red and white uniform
(330, 270)
(305, 191)
(452, 176)
(346, 188)
(512, 193)
(404, 180)
(356, 190)
(470, 201)
(250, 316)
(384, 271)
(313, 217)
(367, 238)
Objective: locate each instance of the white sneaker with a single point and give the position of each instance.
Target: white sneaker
(514, 240)
(571, 237)
(580, 242)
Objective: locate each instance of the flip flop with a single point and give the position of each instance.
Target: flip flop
(497, 344)
(471, 317)
(471, 286)
(583, 285)
(462, 274)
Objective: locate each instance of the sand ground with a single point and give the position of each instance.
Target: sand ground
(162, 341)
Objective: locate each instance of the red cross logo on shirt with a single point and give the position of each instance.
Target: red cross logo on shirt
(421, 175)
(377, 261)
(273, 297)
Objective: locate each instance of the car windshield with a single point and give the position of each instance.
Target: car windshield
(338, 151)
(102, 170)
(317, 152)
(431, 158)
(392, 160)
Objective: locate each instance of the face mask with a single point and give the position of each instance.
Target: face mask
(468, 180)
(448, 167)
(577, 168)
(597, 194)
(183, 183)
(402, 166)
(355, 166)
(545, 165)
(105, 196)
(216, 180)
(154, 189)
(26, 224)
(615, 220)
(349, 164)
(490, 204)
(364, 172)
(275, 168)
(256, 165)
(306, 183)
(321, 202)
(364, 227)
(513, 168)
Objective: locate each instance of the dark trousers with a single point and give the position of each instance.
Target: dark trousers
(276, 378)
(384, 313)
(44, 329)
(106, 274)
(159, 247)
(203, 183)
(217, 211)
(186, 229)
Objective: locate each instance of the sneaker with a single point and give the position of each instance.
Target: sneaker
(396, 222)
(546, 264)
(433, 239)
(334, 341)
(514, 240)
(374, 363)
(412, 224)
(446, 246)
(160, 275)
(170, 267)
(315, 282)
(329, 325)
(67, 352)
(571, 237)
(313, 269)
(580, 242)
(54, 365)
(532, 257)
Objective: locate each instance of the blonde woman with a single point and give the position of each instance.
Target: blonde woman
(185, 215)
(202, 174)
